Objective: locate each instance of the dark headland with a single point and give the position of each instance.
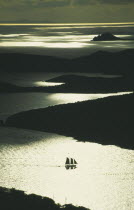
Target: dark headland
(107, 121)
(11, 199)
(84, 84)
(99, 62)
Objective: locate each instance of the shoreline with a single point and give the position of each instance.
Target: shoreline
(75, 84)
(18, 199)
(101, 121)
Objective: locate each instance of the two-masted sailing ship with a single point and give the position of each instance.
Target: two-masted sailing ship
(70, 163)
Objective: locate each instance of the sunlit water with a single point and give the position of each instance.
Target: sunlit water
(34, 162)
(65, 41)
(47, 84)
(12, 103)
(40, 79)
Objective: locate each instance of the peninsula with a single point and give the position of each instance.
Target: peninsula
(106, 121)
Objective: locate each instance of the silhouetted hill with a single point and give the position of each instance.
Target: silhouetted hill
(108, 62)
(106, 121)
(106, 37)
(17, 62)
(71, 78)
(99, 62)
(83, 84)
(11, 199)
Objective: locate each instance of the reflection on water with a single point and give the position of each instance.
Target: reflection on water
(35, 79)
(73, 97)
(35, 161)
(47, 84)
(70, 167)
(64, 41)
(27, 101)
(103, 179)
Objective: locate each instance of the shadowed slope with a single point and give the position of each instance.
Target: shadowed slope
(106, 121)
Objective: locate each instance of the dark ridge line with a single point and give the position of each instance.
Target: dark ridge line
(100, 62)
(76, 84)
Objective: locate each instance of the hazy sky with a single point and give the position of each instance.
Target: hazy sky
(66, 11)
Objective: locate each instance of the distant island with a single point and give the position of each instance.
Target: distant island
(106, 37)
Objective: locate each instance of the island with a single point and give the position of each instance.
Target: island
(106, 37)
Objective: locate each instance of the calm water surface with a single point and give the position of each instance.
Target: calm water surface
(34, 162)
(64, 41)
(12, 103)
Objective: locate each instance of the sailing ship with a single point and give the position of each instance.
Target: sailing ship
(70, 163)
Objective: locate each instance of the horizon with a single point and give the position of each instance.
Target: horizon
(66, 40)
(93, 23)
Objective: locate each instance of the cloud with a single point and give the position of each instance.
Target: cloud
(58, 3)
(66, 11)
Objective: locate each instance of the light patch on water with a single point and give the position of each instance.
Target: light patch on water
(12, 35)
(73, 97)
(63, 40)
(27, 101)
(47, 84)
(124, 36)
(41, 44)
(103, 178)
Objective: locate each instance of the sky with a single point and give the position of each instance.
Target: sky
(66, 11)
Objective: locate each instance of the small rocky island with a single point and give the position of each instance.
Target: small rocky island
(106, 37)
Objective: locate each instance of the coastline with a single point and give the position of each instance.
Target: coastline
(106, 121)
